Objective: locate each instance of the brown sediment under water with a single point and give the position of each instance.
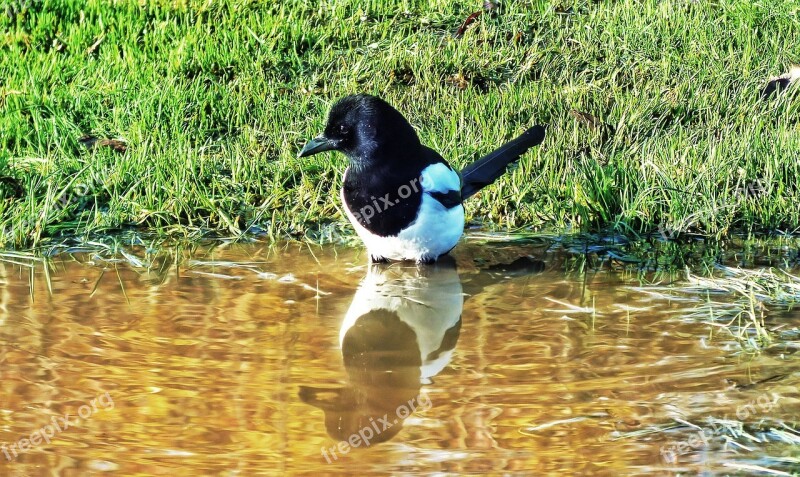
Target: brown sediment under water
(516, 358)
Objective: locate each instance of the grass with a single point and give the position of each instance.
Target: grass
(736, 301)
(655, 120)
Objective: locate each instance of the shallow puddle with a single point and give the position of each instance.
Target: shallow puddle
(263, 360)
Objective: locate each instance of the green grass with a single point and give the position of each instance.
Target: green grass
(214, 99)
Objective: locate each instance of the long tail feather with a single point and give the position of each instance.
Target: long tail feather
(487, 169)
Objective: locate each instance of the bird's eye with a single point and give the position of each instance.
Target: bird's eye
(343, 129)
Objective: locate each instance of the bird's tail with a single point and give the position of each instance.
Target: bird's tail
(487, 169)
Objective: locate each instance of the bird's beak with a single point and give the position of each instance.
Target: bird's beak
(318, 144)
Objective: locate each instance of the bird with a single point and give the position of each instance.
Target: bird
(400, 332)
(404, 199)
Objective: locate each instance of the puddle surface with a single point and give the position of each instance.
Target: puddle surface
(257, 360)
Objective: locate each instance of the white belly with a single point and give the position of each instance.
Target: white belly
(435, 232)
(429, 300)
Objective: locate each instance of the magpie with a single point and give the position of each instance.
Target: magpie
(400, 331)
(403, 198)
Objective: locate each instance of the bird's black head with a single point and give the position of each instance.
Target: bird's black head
(365, 128)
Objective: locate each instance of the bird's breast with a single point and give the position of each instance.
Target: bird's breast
(381, 203)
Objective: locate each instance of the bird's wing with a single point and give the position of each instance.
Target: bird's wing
(441, 182)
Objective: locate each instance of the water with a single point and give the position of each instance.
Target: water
(258, 360)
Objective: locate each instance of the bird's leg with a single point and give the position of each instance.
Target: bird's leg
(427, 261)
(375, 259)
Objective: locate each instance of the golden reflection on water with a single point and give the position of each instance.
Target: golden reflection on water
(258, 360)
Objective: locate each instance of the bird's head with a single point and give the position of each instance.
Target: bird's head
(365, 128)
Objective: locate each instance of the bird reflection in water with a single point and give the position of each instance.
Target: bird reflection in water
(399, 332)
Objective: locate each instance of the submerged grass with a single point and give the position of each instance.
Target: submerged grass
(738, 301)
(655, 120)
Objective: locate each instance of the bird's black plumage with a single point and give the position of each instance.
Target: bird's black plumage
(363, 188)
(385, 154)
(487, 169)
(383, 188)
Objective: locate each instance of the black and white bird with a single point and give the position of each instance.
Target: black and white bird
(403, 198)
(400, 332)
(428, 300)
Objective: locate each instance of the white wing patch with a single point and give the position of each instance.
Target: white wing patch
(440, 178)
